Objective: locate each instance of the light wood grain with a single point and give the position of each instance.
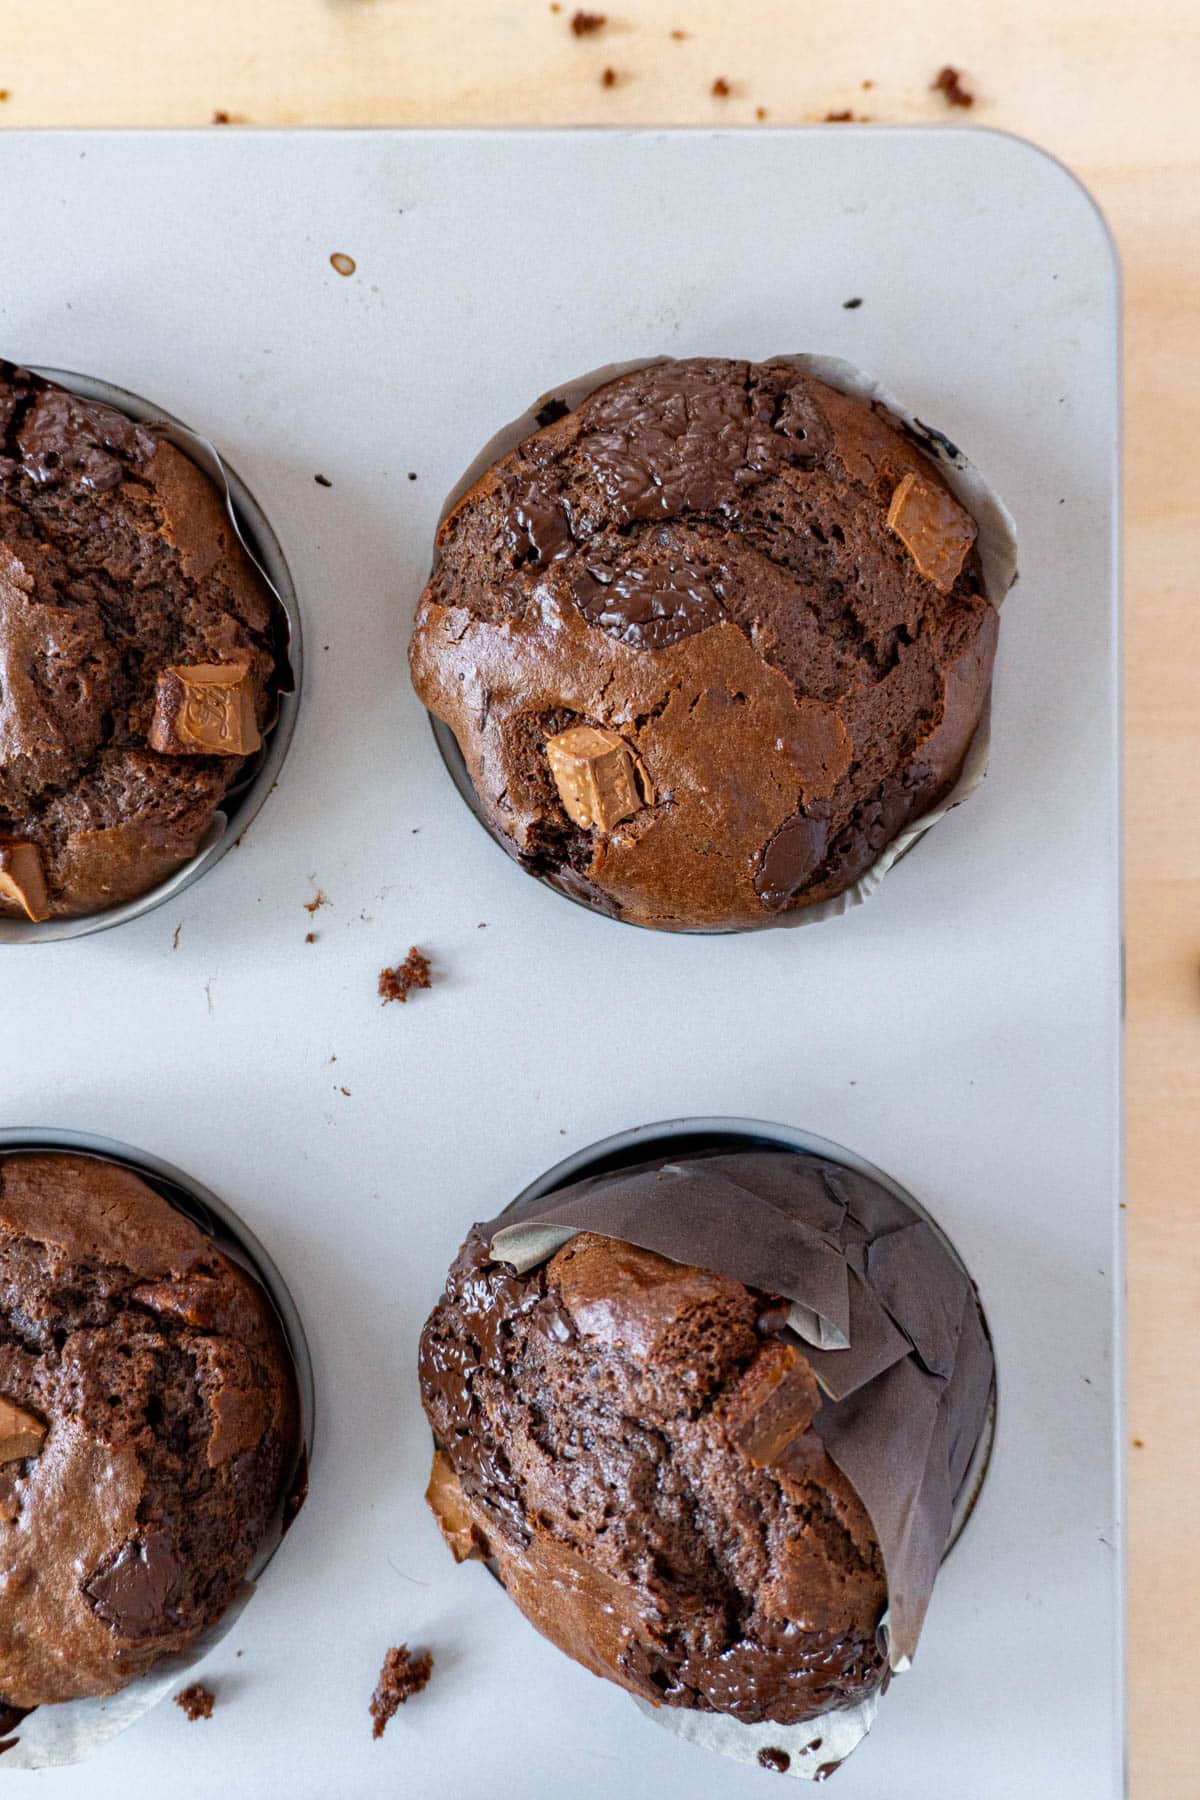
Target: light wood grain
(1108, 87)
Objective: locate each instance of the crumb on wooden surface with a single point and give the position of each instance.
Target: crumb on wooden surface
(584, 23)
(949, 81)
(721, 89)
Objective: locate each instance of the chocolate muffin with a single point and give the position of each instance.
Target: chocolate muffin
(139, 653)
(708, 642)
(147, 1428)
(628, 1441)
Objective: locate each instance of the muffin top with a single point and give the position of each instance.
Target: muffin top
(708, 642)
(147, 1427)
(138, 653)
(628, 1440)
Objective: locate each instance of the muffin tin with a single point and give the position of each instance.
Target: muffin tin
(962, 1031)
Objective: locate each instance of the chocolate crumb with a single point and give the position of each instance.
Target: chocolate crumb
(345, 265)
(585, 22)
(552, 412)
(609, 78)
(771, 1758)
(412, 475)
(948, 81)
(839, 118)
(401, 1676)
(221, 117)
(310, 937)
(826, 1770)
(322, 481)
(196, 1701)
(397, 983)
(318, 900)
(721, 88)
(852, 305)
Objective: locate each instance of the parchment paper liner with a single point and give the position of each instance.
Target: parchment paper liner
(930, 1380)
(244, 798)
(74, 1730)
(997, 544)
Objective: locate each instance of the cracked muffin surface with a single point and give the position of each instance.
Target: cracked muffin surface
(626, 1440)
(148, 1425)
(708, 643)
(139, 653)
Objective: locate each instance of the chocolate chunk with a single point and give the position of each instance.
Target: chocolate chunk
(933, 528)
(650, 607)
(771, 1758)
(205, 709)
(403, 1674)
(135, 1590)
(600, 780)
(68, 440)
(792, 857)
(21, 1433)
(23, 878)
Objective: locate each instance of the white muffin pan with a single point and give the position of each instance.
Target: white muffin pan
(961, 1029)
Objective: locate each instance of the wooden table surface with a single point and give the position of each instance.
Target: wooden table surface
(1109, 88)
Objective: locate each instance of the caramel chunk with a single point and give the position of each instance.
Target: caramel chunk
(23, 879)
(599, 778)
(775, 1401)
(933, 528)
(446, 1500)
(21, 1433)
(205, 709)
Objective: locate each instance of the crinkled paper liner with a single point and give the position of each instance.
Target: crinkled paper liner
(815, 1746)
(73, 1731)
(997, 545)
(254, 533)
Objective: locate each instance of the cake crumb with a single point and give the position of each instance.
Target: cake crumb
(948, 81)
(322, 481)
(398, 983)
(401, 1676)
(221, 117)
(721, 89)
(609, 78)
(343, 264)
(310, 937)
(5, 94)
(196, 1701)
(852, 305)
(771, 1758)
(679, 36)
(846, 117)
(318, 900)
(760, 112)
(584, 23)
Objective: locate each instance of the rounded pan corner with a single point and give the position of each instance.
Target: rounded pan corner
(1075, 186)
